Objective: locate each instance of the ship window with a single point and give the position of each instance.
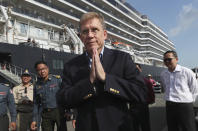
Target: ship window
(40, 32)
(36, 32)
(144, 22)
(23, 28)
(50, 35)
(57, 64)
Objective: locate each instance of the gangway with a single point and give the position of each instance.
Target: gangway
(13, 73)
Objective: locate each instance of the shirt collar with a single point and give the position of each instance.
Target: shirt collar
(49, 78)
(101, 53)
(23, 85)
(177, 69)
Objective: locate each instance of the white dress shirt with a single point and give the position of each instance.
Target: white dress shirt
(180, 85)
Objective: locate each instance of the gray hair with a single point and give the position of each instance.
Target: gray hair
(91, 15)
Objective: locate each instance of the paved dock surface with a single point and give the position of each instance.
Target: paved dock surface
(69, 126)
(158, 114)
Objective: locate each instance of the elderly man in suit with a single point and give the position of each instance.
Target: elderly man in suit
(100, 82)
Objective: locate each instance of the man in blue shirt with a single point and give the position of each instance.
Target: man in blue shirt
(7, 101)
(44, 99)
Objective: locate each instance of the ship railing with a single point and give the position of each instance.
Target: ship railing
(17, 71)
(77, 43)
(81, 45)
(74, 40)
(2, 38)
(113, 14)
(76, 3)
(4, 12)
(137, 56)
(125, 11)
(53, 6)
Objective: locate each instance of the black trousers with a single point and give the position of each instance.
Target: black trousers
(141, 118)
(24, 121)
(4, 123)
(94, 122)
(50, 117)
(180, 116)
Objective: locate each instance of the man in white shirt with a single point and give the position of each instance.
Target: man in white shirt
(181, 89)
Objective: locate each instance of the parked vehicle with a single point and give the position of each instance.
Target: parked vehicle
(157, 88)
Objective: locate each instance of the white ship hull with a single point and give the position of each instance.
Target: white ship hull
(53, 24)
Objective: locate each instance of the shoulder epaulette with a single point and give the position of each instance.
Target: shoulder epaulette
(57, 76)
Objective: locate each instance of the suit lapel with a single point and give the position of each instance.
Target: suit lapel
(84, 60)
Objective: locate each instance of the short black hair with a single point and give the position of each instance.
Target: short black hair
(171, 51)
(40, 62)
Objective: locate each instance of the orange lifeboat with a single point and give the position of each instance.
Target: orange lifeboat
(117, 43)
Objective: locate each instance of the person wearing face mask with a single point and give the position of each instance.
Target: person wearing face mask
(45, 105)
(181, 89)
(100, 82)
(23, 95)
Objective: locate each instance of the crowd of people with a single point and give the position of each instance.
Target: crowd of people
(98, 85)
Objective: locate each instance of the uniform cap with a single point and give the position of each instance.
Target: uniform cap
(26, 72)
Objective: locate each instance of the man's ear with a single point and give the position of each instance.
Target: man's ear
(105, 34)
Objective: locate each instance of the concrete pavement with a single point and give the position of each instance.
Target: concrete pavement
(158, 114)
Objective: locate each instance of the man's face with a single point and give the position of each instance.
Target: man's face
(170, 61)
(42, 70)
(93, 35)
(26, 79)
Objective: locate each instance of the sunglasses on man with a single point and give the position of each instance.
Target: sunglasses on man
(168, 59)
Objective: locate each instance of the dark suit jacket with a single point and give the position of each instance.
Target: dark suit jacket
(107, 106)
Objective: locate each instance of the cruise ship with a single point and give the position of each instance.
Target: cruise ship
(48, 29)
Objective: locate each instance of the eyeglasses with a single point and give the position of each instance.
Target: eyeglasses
(41, 69)
(94, 31)
(168, 59)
